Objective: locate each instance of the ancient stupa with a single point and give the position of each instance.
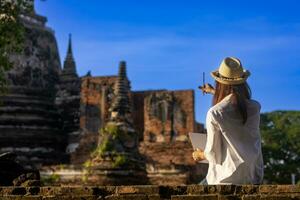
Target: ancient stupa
(120, 110)
(116, 159)
(29, 121)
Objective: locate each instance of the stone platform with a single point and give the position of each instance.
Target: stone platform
(154, 192)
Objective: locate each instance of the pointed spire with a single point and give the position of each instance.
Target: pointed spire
(121, 103)
(123, 74)
(69, 64)
(122, 69)
(88, 74)
(70, 53)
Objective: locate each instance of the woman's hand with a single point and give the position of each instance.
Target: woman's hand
(207, 88)
(198, 155)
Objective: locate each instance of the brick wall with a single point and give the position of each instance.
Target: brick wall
(96, 94)
(95, 99)
(154, 192)
(163, 115)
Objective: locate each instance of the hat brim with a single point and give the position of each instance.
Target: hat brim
(230, 81)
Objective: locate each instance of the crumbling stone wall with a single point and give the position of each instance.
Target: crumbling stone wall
(155, 192)
(164, 118)
(162, 115)
(154, 112)
(96, 98)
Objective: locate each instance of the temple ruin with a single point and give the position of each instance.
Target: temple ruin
(51, 116)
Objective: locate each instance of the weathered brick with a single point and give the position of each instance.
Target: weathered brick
(225, 189)
(31, 183)
(279, 197)
(68, 190)
(229, 197)
(127, 197)
(49, 197)
(142, 189)
(32, 191)
(251, 197)
(79, 197)
(211, 189)
(12, 191)
(154, 197)
(50, 191)
(288, 188)
(20, 197)
(105, 190)
(267, 189)
(77, 190)
(167, 191)
(194, 197)
(195, 189)
(246, 189)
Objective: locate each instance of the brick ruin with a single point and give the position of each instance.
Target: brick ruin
(51, 117)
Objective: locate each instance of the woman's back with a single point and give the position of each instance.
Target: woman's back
(238, 157)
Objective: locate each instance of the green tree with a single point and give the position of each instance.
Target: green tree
(11, 33)
(280, 132)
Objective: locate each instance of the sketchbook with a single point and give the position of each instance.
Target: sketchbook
(198, 140)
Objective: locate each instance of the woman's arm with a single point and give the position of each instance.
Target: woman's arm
(213, 148)
(212, 151)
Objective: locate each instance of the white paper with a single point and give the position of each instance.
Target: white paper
(198, 140)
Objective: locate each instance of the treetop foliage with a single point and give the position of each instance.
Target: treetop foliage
(280, 132)
(11, 33)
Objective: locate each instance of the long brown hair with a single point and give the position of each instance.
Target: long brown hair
(241, 93)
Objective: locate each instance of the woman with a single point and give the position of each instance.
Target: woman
(233, 147)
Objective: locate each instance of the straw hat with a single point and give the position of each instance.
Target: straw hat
(231, 72)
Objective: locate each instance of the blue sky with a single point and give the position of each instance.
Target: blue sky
(168, 44)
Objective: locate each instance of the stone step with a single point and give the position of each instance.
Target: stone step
(25, 96)
(155, 192)
(32, 141)
(27, 109)
(27, 120)
(30, 128)
(28, 91)
(30, 136)
(41, 158)
(29, 131)
(23, 102)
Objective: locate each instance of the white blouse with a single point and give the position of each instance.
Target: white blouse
(233, 149)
